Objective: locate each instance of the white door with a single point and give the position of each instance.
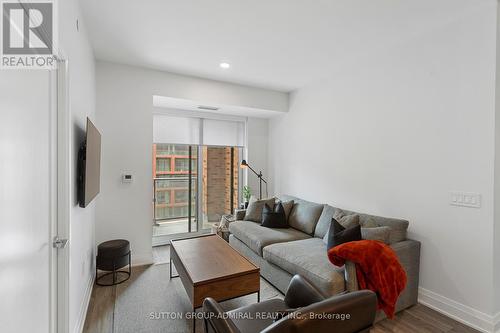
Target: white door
(27, 202)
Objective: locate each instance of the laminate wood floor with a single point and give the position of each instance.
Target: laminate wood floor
(102, 311)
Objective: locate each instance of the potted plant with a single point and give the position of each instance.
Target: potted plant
(247, 193)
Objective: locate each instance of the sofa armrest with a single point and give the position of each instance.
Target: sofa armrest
(408, 252)
(215, 320)
(239, 214)
(351, 280)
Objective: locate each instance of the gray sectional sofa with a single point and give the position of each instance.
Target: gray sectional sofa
(282, 253)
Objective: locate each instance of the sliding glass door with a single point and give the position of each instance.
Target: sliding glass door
(196, 174)
(220, 183)
(175, 184)
(190, 196)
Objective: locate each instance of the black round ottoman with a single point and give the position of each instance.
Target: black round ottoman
(111, 256)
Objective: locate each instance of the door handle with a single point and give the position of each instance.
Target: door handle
(59, 243)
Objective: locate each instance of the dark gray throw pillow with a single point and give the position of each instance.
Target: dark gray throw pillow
(287, 206)
(338, 234)
(274, 218)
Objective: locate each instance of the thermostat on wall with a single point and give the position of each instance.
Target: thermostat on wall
(127, 178)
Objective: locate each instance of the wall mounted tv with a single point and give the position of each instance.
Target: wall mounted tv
(89, 166)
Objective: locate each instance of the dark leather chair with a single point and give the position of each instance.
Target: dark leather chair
(304, 309)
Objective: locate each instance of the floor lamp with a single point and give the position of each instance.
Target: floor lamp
(244, 164)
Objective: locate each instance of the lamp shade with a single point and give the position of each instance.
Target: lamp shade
(243, 164)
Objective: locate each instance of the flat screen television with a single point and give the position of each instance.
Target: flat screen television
(89, 166)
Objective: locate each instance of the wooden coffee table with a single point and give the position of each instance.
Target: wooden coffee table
(209, 267)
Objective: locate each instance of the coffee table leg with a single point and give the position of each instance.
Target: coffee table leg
(258, 296)
(194, 320)
(171, 264)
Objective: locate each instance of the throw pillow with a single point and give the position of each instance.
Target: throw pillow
(274, 218)
(371, 230)
(254, 209)
(380, 234)
(347, 221)
(338, 234)
(287, 206)
(369, 223)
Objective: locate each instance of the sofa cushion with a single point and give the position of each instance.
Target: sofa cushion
(398, 227)
(255, 207)
(324, 221)
(304, 215)
(256, 236)
(346, 220)
(370, 223)
(308, 258)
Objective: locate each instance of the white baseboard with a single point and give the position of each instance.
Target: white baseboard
(82, 315)
(459, 312)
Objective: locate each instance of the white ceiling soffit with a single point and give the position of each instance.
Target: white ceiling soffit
(192, 108)
(275, 44)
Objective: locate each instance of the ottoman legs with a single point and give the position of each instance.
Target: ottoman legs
(115, 272)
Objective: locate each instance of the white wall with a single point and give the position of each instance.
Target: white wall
(77, 49)
(496, 242)
(257, 142)
(124, 116)
(394, 135)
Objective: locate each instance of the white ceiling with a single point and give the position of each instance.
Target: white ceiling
(276, 44)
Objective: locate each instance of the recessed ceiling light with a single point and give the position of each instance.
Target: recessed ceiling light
(224, 65)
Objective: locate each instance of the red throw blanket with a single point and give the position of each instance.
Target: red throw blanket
(377, 269)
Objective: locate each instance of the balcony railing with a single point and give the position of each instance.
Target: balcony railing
(171, 198)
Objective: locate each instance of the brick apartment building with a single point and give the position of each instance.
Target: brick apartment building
(220, 169)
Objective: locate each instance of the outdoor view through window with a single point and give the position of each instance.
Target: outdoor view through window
(191, 181)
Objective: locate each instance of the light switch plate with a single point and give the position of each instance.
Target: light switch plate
(465, 199)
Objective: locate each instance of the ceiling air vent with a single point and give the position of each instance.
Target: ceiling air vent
(210, 108)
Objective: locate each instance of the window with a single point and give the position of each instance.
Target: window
(162, 164)
(181, 150)
(202, 153)
(163, 197)
(181, 164)
(163, 149)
